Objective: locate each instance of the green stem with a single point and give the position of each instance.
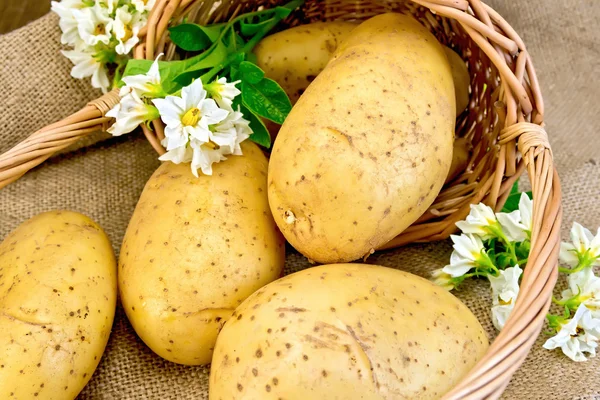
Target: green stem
(476, 273)
(523, 261)
(508, 244)
(584, 263)
(207, 77)
(249, 46)
(487, 263)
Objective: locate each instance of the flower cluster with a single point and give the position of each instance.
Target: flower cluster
(492, 245)
(101, 32)
(199, 129)
(580, 333)
(496, 246)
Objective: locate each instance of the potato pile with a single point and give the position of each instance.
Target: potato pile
(364, 152)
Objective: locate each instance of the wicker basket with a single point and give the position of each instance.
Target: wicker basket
(504, 122)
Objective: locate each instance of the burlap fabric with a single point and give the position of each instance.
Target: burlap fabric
(104, 181)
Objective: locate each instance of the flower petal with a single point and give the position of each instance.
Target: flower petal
(193, 95)
(512, 227)
(526, 209)
(581, 237)
(568, 254)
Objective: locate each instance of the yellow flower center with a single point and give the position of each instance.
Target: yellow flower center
(128, 33)
(504, 303)
(191, 117)
(212, 145)
(99, 29)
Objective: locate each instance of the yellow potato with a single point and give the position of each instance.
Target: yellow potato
(367, 148)
(460, 158)
(346, 331)
(58, 292)
(461, 77)
(195, 248)
(295, 56)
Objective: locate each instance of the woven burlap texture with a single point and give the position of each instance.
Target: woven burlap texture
(104, 181)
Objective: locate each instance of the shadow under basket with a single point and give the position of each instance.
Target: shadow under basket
(504, 123)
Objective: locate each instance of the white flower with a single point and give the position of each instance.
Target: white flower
(145, 85)
(178, 155)
(189, 120)
(526, 210)
(479, 220)
(505, 289)
(232, 131)
(67, 21)
(94, 25)
(512, 227)
(500, 314)
(586, 286)
(130, 113)
(583, 243)
(442, 279)
(467, 252)
(201, 154)
(143, 5)
(223, 92)
(87, 65)
(126, 28)
(579, 335)
(516, 225)
(191, 114)
(204, 157)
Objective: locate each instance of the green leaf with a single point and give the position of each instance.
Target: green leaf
(234, 74)
(249, 29)
(260, 134)
(251, 72)
(255, 22)
(223, 49)
(512, 202)
(266, 99)
(194, 37)
(209, 59)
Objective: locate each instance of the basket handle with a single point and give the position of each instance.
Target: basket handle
(41, 145)
(508, 351)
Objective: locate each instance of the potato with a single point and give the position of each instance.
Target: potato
(462, 79)
(295, 56)
(195, 248)
(367, 148)
(346, 331)
(460, 158)
(58, 292)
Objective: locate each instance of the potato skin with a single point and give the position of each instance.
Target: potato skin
(295, 56)
(461, 78)
(368, 146)
(346, 331)
(58, 292)
(195, 248)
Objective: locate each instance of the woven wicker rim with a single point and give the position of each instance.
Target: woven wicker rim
(504, 123)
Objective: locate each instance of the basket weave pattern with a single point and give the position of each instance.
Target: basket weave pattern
(504, 123)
